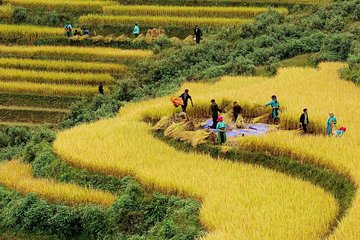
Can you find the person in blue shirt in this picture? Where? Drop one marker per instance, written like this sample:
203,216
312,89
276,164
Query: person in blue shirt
136,31
274,103
330,123
221,130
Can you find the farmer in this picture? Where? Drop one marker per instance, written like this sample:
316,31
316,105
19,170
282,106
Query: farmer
197,34
304,120
68,29
274,103
331,123
236,111
136,31
214,112
185,97
86,31
101,88
77,33
220,129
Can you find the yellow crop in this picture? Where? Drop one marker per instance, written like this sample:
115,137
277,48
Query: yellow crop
18,176
15,75
88,6
71,66
155,21
48,89
151,10
73,53
239,201
6,12
269,2
28,33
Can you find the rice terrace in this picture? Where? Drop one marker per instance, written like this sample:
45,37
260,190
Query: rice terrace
179,119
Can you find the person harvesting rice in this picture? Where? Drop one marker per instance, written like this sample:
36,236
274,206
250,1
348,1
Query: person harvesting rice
221,130
274,103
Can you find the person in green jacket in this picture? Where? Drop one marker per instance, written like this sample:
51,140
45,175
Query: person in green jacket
220,129
68,29
274,103
330,123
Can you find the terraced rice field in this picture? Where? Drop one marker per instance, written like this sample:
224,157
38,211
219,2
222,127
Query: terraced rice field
232,207
47,71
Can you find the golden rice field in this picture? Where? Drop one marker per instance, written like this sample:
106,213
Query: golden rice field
156,21
74,53
65,66
28,32
238,201
15,75
180,11
80,7
48,89
18,176
6,11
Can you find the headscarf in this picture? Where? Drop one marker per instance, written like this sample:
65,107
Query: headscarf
219,119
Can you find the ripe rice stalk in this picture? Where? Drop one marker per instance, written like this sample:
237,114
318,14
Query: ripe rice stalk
48,89
28,33
193,11
75,7
156,21
18,176
15,75
74,53
68,66
6,12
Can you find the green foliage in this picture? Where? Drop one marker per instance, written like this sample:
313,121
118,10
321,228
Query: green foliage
53,18
89,110
12,141
335,47
19,15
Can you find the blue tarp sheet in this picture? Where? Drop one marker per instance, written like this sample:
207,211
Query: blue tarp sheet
252,129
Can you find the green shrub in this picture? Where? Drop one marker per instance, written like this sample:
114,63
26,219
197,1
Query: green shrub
19,136
242,66
4,140
95,221
89,110
19,15
336,47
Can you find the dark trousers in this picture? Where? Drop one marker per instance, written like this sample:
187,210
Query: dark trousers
183,107
235,116
304,127
214,117
222,137
197,39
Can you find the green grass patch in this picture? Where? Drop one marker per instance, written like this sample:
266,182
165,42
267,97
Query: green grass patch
31,116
